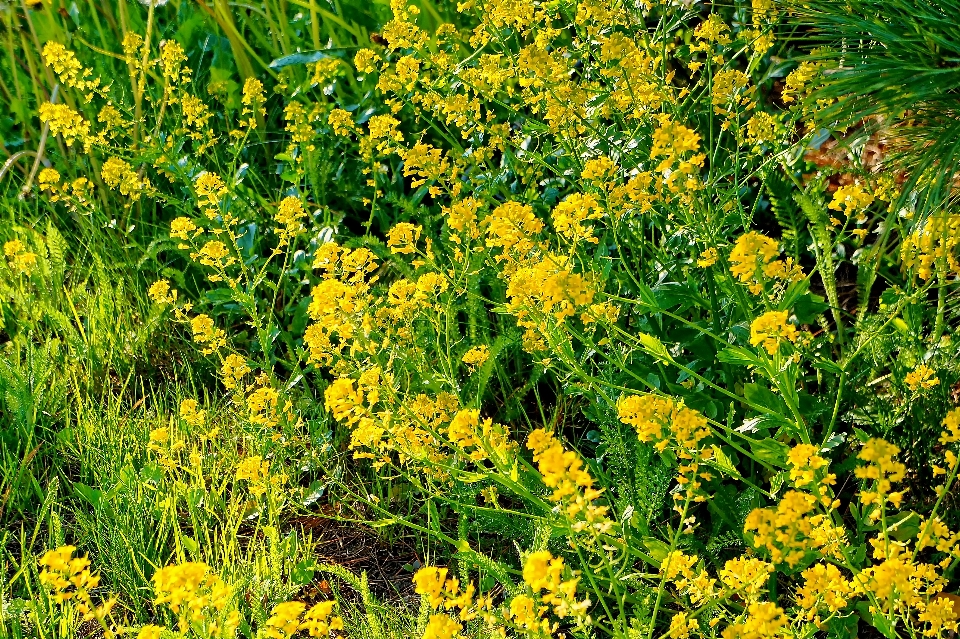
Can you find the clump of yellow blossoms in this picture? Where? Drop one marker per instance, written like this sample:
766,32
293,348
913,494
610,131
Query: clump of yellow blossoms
290,617
445,595
752,262
932,246
18,257
198,597
68,579
883,470
544,573
921,378
476,357
850,199
771,329
562,470
665,422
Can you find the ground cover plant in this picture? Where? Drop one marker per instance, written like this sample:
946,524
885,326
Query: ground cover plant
491,318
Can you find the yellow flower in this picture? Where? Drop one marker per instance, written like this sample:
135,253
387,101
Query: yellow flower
47,179
708,258
284,620
190,413
341,122
752,262
476,356
210,191
182,227
66,122
196,594
161,293
172,58
791,530
673,142
403,237
262,404
289,217
510,225
772,328
747,577
366,60
20,259
234,369
69,70
442,626
150,632
253,100
318,621
570,216
850,199
805,463
951,427
883,469
921,378
681,626
823,587
524,612
763,621
429,581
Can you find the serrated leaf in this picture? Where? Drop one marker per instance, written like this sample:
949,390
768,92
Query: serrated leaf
723,463
654,346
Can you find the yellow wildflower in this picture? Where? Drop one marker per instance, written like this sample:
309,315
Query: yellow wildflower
772,328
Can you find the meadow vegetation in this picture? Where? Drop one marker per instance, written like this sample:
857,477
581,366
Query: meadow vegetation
592,318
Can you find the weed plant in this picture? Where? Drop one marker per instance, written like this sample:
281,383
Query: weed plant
638,319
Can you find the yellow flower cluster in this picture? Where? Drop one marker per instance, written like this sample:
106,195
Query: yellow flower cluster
932,246
792,530
771,329
921,378
69,70
562,470
64,121
850,199
198,597
882,470
288,618
476,357
661,420
68,579
118,174
18,257
544,574
752,262
674,143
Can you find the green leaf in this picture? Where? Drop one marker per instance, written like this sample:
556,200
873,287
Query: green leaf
809,307
738,356
763,397
303,572
770,451
647,297
658,549
306,57
190,544
723,463
654,347
91,495
904,525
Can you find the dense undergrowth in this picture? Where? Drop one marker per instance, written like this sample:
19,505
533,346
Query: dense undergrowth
631,320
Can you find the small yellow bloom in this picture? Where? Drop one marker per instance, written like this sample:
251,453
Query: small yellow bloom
772,328
921,378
